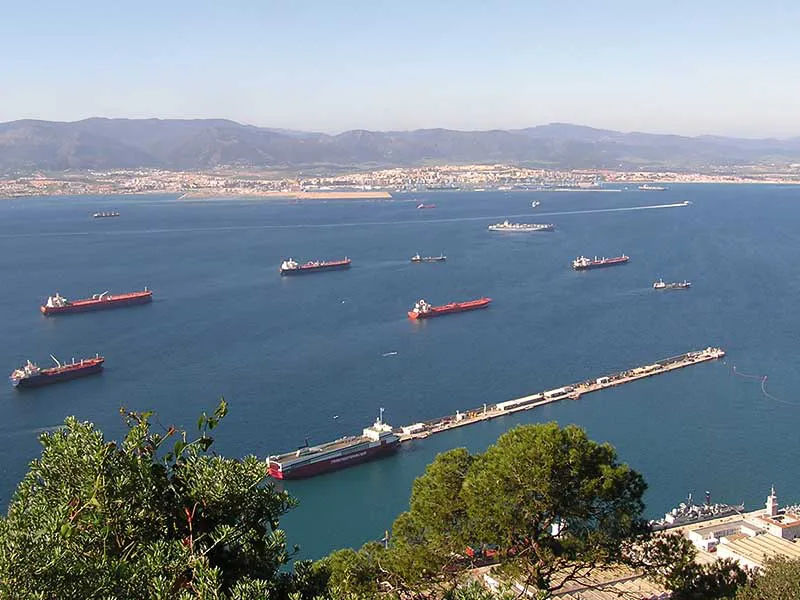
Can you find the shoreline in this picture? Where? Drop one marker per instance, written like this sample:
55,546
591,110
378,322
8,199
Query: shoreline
377,195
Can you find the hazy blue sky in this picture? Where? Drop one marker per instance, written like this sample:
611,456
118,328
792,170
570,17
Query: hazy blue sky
691,67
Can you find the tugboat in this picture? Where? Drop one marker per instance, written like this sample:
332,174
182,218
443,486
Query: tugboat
57,304
307,461
104,215
292,267
421,259
678,285
521,227
423,310
31,375
583,263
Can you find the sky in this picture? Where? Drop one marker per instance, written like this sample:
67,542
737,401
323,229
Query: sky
724,67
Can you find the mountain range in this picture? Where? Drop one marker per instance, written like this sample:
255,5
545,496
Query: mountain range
190,144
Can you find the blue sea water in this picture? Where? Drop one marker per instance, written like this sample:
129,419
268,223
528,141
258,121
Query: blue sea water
291,353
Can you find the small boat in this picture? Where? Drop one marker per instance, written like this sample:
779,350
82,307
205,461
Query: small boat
421,206
652,188
678,285
535,203
104,215
421,259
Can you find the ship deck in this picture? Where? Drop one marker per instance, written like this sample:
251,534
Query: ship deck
110,298
288,458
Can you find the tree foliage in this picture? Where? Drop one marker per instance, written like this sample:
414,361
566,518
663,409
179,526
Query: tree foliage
138,519
669,558
554,503
780,580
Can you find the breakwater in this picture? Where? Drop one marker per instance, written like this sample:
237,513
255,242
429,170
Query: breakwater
574,391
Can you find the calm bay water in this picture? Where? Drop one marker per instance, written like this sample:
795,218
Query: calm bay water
290,353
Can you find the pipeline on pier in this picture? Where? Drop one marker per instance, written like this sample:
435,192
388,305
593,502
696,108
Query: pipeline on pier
490,411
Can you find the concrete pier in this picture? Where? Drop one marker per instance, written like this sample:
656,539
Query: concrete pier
575,391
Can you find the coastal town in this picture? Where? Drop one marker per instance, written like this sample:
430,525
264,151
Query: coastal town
236,182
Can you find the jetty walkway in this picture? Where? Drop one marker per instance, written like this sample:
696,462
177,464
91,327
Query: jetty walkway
572,392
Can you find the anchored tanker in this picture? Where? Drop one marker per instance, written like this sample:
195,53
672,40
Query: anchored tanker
292,267
583,264
307,461
57,305
423,310
521,227
31,375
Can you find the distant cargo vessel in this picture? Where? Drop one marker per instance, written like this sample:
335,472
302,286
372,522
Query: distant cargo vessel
678,285
652,188
688,512
57,304
307,461
422,206
292,267
31,375
423,310
583,263
521,227
420,259
104,215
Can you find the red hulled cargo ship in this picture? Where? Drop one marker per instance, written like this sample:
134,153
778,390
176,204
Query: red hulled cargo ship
582,263
31,375
57,305
292,267
423,310
307,461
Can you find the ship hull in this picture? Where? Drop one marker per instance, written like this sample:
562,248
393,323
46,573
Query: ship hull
599,265
306,270
51,378
335,463
438,311
80,306
519,230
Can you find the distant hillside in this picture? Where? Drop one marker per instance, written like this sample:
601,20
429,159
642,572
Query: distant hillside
204,143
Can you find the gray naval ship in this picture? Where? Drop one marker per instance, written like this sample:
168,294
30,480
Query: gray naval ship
688,512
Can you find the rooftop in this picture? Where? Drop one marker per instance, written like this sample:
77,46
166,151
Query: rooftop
783,520
760,547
